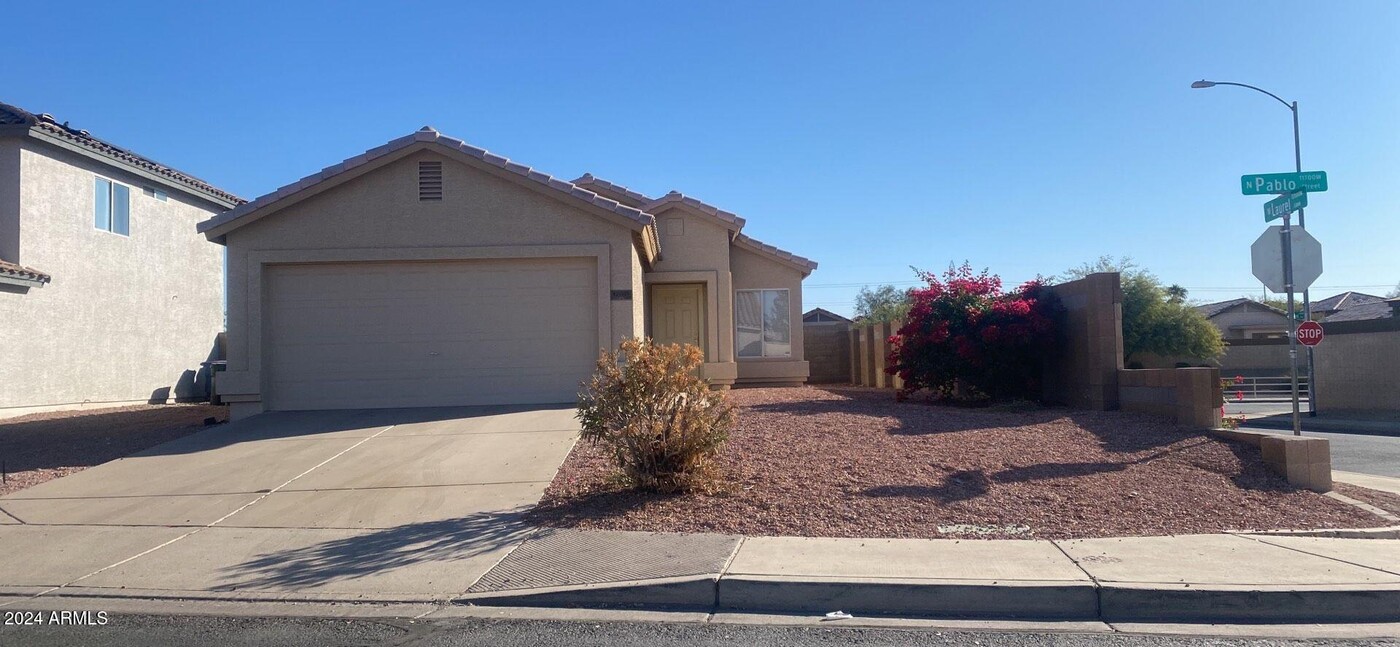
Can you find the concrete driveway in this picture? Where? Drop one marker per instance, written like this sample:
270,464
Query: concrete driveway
407,504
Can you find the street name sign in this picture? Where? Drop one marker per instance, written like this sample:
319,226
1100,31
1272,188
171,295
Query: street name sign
1310,333
1266,183
1284,205
1266,256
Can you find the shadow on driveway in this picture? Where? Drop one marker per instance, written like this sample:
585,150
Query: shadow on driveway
380,551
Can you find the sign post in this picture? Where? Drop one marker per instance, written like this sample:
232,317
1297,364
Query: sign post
1293,189
1287,241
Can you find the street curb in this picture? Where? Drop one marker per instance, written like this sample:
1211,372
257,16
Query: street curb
666,593
1049,600
1224,604
985,600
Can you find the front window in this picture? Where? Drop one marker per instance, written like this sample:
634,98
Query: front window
763,323
112,207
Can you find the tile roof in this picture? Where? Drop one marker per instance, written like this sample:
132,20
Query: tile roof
1378,309
731,220
47,124
1212,309
589,181
15,270
428,135
757,245
1345,300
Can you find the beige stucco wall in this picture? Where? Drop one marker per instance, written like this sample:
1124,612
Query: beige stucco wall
125,319
753,271
695,249
1358,371
1248,315
480,213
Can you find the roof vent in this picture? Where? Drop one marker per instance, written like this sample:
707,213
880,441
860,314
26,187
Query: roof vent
430,181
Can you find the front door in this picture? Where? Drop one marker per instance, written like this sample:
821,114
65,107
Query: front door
678,314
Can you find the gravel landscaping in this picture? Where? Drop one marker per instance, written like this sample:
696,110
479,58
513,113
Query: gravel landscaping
851,462
45,446
1383,500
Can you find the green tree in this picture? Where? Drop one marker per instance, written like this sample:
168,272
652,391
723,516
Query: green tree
1156,318
882,304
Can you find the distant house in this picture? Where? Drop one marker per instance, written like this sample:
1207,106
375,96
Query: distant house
107,294
1351,306
822,315
1246,319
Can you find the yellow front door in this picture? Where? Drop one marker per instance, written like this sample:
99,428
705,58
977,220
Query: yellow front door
678,314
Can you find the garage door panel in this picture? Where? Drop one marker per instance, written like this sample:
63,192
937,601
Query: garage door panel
356,335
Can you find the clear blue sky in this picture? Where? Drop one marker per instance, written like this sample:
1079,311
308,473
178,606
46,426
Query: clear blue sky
1025,137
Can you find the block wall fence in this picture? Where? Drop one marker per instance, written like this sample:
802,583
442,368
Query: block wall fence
1087,371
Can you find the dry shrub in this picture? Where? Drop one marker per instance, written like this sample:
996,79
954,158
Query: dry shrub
660,421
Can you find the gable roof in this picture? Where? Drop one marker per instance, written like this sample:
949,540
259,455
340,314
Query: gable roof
729,220
1212,309
1345,300
217,227
46,127
799,263
599,185
1378,309
822,315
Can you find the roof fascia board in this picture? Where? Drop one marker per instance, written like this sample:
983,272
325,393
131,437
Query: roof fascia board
23,282
751,245
39,134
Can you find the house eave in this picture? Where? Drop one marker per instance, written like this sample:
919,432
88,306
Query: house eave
52,140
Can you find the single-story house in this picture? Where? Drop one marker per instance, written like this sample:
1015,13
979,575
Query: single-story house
1245,318
428,272
108,295
822,315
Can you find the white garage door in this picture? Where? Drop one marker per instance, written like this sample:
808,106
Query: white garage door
366,335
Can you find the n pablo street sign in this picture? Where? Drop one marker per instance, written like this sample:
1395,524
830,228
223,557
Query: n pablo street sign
1265,183
1310,333
1284,205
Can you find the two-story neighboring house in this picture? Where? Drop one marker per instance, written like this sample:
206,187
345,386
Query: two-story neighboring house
108,296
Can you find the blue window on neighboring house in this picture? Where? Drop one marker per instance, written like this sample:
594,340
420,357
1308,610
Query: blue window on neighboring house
112,207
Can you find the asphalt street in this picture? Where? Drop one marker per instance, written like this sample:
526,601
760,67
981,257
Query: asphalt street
144,631
1379,455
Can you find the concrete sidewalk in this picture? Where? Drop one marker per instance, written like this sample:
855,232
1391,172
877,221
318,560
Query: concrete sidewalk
1200,578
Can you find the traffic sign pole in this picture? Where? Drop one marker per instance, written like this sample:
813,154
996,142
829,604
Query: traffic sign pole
1287,240
1307,302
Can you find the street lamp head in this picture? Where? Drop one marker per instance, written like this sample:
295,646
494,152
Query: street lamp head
1203,84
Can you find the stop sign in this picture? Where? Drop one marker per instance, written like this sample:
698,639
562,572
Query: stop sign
1310,333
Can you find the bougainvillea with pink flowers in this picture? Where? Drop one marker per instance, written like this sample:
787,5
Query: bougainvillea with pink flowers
965,338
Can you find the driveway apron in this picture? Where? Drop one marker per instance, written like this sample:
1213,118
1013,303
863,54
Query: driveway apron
407,503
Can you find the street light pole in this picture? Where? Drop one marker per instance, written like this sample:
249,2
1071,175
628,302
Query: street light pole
1302,224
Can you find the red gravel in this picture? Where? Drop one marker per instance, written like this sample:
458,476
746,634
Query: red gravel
851,462
45,446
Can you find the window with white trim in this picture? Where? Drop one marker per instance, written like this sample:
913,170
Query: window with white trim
111,206
762,323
